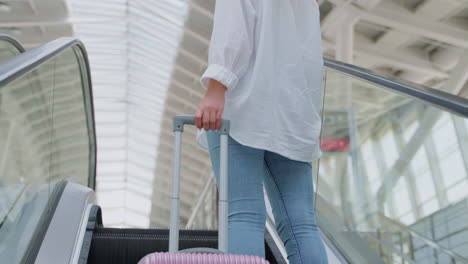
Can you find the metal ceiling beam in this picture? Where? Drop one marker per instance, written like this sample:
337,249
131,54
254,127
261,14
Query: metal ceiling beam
189,73
417,25
458,76
200,9
342,13
344,10
414,73
431,9
190,90
196,57
386,15
46,21
403,60
367,4
439,9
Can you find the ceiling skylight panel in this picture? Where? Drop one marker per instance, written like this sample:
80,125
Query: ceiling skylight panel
159,70
140,173
142,93
138,202
112,135
158,59
137,182
154,17
147,31
98,9
174,11
154,71
117,27
132,47
147,90
148,103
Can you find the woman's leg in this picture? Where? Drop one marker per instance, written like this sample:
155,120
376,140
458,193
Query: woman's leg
290,191
247,216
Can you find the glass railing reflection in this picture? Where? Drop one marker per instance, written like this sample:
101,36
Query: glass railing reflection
403,162
8,48
44,139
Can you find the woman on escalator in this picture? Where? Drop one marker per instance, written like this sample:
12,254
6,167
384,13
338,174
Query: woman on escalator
265,75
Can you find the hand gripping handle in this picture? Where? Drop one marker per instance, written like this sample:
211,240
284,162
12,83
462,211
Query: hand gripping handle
179,122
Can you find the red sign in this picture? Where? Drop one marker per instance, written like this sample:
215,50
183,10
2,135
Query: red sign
334,144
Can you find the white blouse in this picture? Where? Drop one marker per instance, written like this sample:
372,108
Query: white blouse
268,54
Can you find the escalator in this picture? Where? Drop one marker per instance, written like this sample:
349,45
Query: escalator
49,165
47,135
48,168
9,47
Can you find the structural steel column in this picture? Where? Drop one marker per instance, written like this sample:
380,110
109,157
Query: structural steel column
343,184
345,42
378,150
359,173
409,176
406,155
436,172
462,136
344,53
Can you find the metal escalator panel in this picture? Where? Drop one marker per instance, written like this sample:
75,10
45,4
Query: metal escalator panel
394,166
9,47
46,136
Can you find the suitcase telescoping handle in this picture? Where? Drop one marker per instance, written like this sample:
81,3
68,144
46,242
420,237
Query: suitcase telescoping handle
179,122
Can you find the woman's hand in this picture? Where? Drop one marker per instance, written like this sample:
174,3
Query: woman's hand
210,110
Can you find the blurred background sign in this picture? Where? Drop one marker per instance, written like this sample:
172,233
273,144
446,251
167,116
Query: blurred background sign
334,144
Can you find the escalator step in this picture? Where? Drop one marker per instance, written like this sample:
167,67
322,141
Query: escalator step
123,246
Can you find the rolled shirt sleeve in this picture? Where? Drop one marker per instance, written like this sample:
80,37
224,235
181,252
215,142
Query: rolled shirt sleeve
232,42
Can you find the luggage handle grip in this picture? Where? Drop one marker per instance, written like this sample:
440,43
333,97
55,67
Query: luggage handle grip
181,120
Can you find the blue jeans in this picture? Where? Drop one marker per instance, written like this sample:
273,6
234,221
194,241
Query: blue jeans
290,190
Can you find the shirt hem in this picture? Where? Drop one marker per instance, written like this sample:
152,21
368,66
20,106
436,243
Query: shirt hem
315,155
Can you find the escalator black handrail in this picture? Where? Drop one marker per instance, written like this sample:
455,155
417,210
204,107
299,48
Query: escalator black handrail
15,43
438,98
28,61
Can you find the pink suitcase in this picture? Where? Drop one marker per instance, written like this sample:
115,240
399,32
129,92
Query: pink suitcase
199,255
